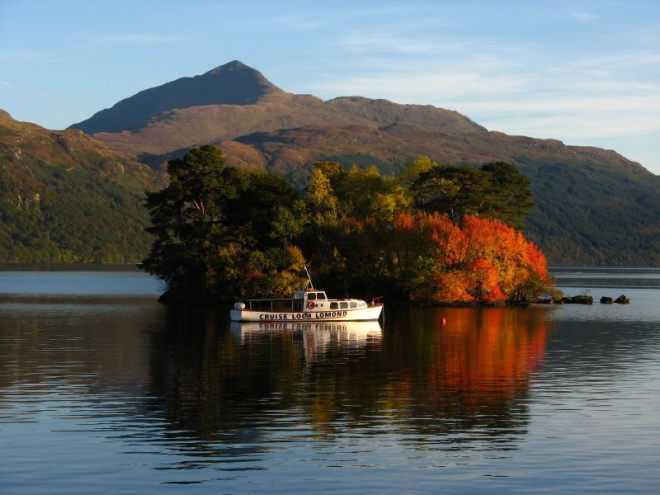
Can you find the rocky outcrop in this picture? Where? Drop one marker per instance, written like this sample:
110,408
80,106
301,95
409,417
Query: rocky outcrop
582,299
622,299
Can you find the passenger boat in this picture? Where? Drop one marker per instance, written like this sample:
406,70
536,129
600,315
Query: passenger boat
307,305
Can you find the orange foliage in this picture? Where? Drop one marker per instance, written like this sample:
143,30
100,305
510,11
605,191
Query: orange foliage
485,260
483,357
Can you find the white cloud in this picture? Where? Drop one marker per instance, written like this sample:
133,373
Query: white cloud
425,87
20,58
583,16
617,61
141,38
361,42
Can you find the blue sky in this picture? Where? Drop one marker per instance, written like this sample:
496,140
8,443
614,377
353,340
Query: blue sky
584,72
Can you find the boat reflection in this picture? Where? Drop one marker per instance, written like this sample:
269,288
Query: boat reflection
316,337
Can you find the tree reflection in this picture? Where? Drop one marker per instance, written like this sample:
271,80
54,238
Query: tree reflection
241,383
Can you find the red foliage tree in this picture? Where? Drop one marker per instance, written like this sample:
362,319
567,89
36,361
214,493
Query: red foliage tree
434,260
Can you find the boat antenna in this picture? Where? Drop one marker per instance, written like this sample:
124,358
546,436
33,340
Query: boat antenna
309,284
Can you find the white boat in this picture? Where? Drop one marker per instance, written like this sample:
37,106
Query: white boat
308,305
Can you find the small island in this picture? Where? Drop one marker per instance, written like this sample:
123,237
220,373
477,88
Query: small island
430,234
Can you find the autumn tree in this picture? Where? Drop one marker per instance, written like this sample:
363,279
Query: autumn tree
521,267
321,196
365,193
411,170
430,259
222,232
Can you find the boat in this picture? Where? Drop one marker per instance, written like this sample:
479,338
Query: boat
307,305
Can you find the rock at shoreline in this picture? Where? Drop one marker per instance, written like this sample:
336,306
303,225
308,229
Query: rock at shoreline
622,299
577,300
606,300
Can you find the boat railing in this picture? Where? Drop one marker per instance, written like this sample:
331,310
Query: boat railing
374,301
284,304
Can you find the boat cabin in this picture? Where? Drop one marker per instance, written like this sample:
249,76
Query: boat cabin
309,299
306,304
304,300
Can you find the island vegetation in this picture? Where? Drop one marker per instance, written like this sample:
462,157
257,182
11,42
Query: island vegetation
431,234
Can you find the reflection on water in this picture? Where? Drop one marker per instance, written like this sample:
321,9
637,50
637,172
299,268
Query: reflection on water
71,281
615,278
497,399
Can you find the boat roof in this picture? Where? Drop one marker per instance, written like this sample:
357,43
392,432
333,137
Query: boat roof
271,299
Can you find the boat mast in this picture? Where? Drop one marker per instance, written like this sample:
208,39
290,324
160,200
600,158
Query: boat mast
309,284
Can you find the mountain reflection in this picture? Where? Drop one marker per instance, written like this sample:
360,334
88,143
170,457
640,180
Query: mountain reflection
418,377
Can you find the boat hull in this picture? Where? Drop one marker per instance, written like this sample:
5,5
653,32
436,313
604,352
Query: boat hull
358,314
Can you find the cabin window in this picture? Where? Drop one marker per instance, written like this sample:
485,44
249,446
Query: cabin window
343,305
334,305
311,296
353,305
321,295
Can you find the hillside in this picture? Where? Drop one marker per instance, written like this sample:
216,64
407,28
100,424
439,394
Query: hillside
594,207
65,197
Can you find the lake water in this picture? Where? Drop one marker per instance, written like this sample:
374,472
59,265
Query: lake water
103,390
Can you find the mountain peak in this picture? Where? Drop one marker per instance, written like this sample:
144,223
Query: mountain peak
231,66
233,83
248,78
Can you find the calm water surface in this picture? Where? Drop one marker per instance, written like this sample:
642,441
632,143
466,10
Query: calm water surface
102,389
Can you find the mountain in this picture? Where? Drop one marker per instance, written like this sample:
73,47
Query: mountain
594,207
65,197
230,84
234,100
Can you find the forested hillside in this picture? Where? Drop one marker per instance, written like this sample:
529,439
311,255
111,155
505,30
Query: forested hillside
67,198
594,207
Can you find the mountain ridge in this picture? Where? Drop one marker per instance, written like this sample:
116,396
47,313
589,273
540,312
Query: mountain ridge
594,206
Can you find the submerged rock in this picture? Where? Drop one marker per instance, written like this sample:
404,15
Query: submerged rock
606,300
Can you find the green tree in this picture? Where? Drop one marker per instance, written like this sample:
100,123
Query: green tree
187,218
496,191
263,199
223,232
451,189
412,170
509,196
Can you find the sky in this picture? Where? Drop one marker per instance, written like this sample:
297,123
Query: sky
584,72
